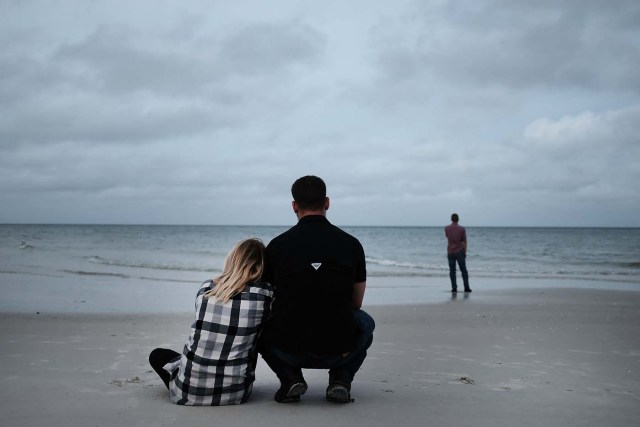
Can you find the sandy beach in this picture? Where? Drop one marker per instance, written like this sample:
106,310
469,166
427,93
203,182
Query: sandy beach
546,357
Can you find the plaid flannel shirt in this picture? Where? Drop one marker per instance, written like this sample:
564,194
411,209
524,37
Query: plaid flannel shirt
218,362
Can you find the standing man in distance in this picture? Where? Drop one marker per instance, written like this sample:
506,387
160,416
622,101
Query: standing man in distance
319,275
457,252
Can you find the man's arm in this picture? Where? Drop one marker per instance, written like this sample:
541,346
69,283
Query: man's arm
358,294
464,240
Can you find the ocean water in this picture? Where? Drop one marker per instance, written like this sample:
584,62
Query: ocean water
48,257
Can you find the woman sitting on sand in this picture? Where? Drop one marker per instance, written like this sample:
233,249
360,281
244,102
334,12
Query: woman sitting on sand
217,365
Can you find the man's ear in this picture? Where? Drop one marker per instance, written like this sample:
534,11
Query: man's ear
327,202
294,205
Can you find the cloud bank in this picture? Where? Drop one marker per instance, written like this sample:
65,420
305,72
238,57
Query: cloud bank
511,113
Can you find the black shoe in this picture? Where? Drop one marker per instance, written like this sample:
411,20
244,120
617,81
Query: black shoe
290,391
339,387
338,393
453,291
467,290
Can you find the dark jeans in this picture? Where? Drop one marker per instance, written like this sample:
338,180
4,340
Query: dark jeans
460,258
288,366
160,357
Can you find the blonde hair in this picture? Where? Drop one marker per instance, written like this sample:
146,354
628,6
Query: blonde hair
244,264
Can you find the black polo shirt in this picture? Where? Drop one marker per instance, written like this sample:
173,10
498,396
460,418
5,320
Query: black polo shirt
313,267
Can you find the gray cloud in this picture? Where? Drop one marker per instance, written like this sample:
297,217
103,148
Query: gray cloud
119,86
262,48
517,45
512,113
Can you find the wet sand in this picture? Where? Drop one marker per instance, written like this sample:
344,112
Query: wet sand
546,357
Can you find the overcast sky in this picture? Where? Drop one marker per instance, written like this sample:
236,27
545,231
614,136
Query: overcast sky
509,112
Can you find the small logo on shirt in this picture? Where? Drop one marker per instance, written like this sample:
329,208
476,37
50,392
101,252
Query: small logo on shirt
316,265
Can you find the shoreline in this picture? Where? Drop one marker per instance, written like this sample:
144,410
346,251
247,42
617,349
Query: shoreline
23,294
553,357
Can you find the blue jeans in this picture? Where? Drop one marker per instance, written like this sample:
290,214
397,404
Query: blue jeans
460,258
287,366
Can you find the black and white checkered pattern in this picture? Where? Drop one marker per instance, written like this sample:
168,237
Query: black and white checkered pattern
217,366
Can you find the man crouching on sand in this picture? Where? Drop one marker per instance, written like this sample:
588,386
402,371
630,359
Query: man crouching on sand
319,275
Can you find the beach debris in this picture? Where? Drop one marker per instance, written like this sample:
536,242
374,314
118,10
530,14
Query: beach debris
466,380
132,380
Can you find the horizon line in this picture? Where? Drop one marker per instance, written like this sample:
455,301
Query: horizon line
291,225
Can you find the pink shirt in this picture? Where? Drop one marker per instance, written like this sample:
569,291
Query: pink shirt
456,236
